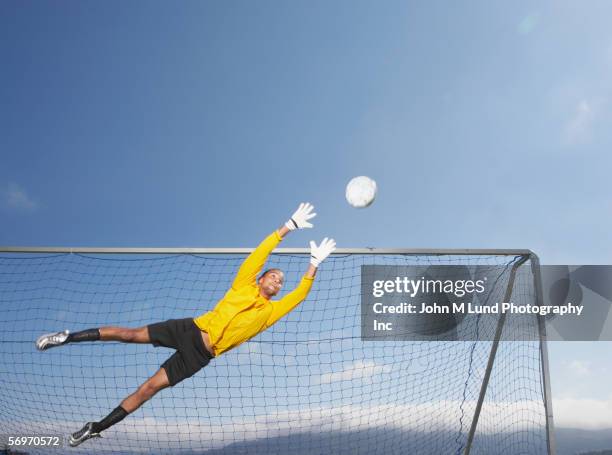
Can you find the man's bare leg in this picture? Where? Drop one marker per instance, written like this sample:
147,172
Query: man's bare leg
144,393
124,334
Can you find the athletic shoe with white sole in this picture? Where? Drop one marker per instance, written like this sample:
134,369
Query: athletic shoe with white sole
83,435
51,340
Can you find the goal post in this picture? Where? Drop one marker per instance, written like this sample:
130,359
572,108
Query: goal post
546,387
309,384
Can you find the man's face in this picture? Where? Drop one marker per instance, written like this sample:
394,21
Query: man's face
271,283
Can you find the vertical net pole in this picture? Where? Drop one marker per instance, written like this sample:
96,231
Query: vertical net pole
550,434
491,361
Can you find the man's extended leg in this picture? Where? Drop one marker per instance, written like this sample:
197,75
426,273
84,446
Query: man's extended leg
122,334
149,388
125,335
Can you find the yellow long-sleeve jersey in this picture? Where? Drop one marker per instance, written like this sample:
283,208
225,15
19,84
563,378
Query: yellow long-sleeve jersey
243,313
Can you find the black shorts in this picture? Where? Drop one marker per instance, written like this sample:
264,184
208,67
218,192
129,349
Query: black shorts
183,335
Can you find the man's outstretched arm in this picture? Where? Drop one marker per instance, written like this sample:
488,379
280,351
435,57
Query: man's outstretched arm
295,297
253,264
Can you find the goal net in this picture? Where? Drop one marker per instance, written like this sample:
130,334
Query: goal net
308,385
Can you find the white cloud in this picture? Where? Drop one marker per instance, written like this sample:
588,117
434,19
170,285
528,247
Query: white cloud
357,370
587,414
579,368
16,197
579,128
217,432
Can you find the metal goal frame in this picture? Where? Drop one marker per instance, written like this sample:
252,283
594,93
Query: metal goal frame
525,256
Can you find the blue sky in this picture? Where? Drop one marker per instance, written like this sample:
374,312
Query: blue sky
204,124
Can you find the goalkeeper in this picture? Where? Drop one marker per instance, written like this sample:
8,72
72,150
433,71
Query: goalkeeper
244,311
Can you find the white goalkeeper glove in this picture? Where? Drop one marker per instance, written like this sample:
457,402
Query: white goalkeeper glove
299,220
319,253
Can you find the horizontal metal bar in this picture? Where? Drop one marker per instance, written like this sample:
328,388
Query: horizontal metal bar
339,251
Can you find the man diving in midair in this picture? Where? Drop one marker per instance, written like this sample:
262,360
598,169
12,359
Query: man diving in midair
246,310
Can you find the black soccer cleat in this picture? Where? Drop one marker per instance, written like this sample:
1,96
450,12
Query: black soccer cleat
82,435
51,340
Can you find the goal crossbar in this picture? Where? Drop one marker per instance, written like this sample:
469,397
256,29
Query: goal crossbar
339,251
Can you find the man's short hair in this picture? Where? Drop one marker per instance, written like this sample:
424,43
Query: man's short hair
268,271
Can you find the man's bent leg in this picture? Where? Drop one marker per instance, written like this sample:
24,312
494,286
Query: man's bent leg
149,388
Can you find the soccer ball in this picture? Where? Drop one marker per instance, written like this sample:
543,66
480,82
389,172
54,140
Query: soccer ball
361,191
